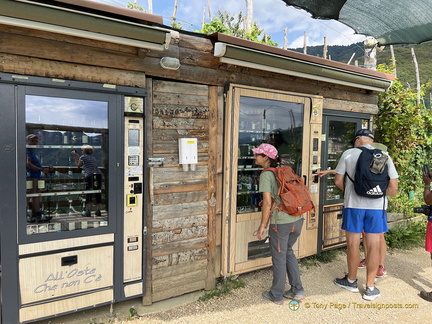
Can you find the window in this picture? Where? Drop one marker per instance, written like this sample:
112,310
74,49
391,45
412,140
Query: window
66,164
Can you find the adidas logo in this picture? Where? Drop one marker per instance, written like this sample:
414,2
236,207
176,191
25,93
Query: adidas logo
375,191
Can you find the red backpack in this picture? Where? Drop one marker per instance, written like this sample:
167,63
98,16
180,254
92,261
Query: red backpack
293,193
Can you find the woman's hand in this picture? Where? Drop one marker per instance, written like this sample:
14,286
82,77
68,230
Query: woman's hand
260,231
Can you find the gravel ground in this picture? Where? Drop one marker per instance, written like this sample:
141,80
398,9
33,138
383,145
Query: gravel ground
409,271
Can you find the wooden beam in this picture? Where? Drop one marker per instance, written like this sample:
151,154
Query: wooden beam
212,185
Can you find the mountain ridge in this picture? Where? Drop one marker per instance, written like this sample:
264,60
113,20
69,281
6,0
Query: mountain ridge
404,63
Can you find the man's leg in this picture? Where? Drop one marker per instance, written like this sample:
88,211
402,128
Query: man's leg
383,250
373,257
353,253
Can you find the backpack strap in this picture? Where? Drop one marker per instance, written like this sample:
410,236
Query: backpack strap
274,204
362,149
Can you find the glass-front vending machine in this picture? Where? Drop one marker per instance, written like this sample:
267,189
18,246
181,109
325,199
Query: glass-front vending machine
72,215
338,132
290,122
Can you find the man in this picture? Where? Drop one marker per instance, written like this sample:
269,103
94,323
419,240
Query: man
34,170
362,214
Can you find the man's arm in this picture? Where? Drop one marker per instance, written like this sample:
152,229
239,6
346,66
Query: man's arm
392,188
339,181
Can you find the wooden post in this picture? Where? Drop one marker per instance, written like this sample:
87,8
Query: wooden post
212,187
203,18
174,11
393,59
209,10
249,16
147,299
417,74
352,56
325,48
285,44
370,61
305,43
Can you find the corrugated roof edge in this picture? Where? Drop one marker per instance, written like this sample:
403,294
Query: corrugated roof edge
127,14
299,56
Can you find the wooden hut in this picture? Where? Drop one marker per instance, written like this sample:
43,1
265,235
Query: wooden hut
74,73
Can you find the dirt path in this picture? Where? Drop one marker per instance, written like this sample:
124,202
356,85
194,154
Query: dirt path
408,273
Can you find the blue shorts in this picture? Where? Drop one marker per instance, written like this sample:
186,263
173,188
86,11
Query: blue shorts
372,221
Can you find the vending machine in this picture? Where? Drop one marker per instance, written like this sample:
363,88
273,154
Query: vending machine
72,229
292,123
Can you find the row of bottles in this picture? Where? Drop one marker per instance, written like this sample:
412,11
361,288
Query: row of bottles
248,195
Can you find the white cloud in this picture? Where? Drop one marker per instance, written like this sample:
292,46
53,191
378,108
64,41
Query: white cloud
271,15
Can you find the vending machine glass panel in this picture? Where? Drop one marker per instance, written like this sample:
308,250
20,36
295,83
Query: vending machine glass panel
66,164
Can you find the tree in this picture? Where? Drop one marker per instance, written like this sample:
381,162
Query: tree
234,26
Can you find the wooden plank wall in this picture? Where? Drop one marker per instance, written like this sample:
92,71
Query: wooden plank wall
180,200
184,207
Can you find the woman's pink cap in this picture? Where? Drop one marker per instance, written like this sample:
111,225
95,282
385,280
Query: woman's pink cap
266,149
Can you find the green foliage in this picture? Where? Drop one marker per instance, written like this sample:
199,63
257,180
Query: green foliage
402,204
323,257
134,6
229,25
132,313
175,24
406,237
224,286
406,128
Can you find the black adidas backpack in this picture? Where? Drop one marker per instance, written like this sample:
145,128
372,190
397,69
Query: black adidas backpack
371,177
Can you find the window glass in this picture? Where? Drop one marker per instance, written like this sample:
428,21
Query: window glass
66,164
340,134
276,122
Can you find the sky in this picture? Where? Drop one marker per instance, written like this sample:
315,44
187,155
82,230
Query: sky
273,16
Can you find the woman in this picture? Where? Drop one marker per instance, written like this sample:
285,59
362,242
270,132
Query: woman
284,231
93,177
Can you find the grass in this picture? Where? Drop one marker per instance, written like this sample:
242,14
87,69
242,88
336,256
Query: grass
224,286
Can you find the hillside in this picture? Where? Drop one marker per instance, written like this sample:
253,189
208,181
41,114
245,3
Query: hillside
404,63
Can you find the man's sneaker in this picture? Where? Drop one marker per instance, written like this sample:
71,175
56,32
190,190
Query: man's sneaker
344,283
294,296
266,295
362,264
98,213
426,295
371,294
381,272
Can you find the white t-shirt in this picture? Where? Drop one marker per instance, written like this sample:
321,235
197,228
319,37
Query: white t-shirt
347,163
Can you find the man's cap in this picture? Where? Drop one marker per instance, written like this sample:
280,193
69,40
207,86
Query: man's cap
363,132
266,149
30,136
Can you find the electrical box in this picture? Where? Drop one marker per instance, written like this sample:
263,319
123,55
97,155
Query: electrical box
188,153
